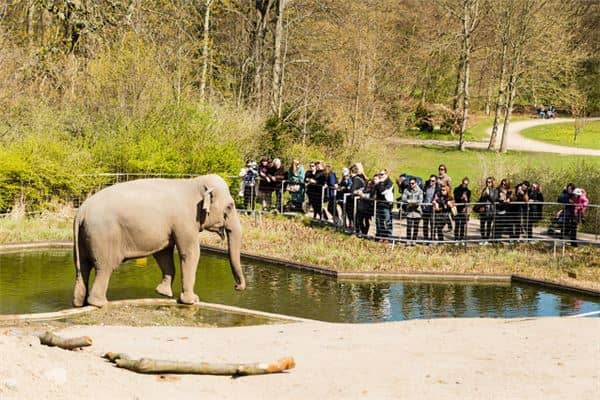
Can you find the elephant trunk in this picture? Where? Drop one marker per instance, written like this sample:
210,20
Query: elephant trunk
234,241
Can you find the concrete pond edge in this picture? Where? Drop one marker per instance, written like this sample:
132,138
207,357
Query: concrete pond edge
342,276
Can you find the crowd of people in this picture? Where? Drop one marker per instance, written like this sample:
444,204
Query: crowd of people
433,206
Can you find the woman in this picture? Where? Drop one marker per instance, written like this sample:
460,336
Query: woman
536,198
265,183
462,195
442,203
295,178
412,197
331,192
359,183
313,191
503,223
486,208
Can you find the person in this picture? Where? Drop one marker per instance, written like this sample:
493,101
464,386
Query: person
365,209
569,220
265,184
429,192
445,180
321,182
295,186
442,203
359,184
343,196
535,208
581,204
384,197
277,174
521,209
413,197
403,182
313,191
574,213
486,207
462,197
331,191
503,223
248,185
443,177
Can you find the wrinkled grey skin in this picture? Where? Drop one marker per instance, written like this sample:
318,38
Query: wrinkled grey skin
152,217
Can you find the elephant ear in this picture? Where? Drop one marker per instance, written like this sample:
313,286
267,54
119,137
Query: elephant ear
207,201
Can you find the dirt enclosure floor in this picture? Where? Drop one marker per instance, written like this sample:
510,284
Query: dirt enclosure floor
547,358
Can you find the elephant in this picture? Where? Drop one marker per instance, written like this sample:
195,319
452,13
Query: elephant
153,217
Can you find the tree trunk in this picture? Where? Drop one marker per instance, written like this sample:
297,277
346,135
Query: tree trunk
263,7
466,73
512,91
276,79
152,366
205,39
501,84
51,339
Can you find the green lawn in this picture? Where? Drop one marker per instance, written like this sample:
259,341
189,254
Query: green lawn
476,164
564,134
475,132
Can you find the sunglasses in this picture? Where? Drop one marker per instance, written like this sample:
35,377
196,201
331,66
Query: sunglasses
413,183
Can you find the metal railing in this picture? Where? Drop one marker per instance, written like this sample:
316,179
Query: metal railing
481,223
473,222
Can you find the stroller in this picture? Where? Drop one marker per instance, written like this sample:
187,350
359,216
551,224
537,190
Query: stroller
557,223
296,203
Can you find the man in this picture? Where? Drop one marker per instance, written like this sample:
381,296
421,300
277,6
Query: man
569,228
462,197
384,196
412,197
431,189
277,174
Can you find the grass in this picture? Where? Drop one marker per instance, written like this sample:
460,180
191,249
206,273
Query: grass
476,164
475,132
295,240
564,135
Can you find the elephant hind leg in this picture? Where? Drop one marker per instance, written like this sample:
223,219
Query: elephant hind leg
104,269
81,282
165,261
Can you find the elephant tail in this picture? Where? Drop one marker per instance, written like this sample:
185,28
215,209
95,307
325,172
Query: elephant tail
80,290
76,225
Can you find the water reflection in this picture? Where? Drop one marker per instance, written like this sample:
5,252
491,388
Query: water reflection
42,281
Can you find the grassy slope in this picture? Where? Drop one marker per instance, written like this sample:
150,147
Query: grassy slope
476,164
294,240
563,134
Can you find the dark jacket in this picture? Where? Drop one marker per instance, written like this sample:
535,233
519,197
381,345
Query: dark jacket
535,208
382,191
489,196
462,195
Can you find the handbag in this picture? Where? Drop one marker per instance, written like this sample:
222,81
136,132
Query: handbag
453,211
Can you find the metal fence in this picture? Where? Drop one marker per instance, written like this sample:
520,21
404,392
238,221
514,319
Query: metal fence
481,223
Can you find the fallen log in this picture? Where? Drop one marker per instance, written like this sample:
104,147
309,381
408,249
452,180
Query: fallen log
51,339
154,366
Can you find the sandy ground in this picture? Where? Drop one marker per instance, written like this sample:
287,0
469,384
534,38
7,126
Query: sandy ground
548,358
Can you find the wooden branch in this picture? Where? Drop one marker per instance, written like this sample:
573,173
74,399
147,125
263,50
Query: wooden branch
153,366
50,339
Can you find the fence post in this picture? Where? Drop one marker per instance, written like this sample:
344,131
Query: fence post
375,216
323,210
281,197
355,226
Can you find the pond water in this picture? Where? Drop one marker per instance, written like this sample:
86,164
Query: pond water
42,281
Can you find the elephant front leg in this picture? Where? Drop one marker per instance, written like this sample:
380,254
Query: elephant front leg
189,255
164,258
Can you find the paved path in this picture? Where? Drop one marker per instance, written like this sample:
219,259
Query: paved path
515,140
